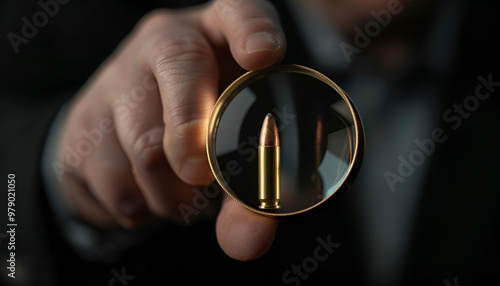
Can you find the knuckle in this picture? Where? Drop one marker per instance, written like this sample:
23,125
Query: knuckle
229,3
147,159
147,152
238,10
172,54
227,7
154,18
221,7
181,117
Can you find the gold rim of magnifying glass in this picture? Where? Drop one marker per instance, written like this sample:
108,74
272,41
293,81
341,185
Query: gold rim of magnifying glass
245,80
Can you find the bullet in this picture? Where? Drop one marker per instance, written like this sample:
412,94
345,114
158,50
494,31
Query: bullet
269,164
318,159
317,149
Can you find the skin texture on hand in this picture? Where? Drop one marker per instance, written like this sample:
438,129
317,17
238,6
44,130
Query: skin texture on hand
157,90
251,235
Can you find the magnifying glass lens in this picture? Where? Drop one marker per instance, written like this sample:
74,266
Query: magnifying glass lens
284,140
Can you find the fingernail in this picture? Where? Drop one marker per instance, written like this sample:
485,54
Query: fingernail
192,168
261,41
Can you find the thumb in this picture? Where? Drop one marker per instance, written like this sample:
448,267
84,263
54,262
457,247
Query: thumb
251,28
242,234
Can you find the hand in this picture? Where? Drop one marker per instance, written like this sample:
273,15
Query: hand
138,126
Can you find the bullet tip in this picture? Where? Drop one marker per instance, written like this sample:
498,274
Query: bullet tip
269,132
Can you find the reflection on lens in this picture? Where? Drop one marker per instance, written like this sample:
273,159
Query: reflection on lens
320,135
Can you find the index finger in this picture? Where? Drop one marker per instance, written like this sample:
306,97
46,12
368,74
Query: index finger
251,28
187,73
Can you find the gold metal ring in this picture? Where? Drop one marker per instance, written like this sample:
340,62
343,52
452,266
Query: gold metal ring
248,78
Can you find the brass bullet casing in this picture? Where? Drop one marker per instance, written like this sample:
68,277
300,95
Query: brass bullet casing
269,179
269,164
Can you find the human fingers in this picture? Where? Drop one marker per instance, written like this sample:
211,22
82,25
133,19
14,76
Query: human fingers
137,114
242,234
99,181
110,182
251,28
188,74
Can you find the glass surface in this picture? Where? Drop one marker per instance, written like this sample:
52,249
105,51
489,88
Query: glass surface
317,133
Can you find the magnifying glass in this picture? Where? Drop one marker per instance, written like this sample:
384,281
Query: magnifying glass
285,141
